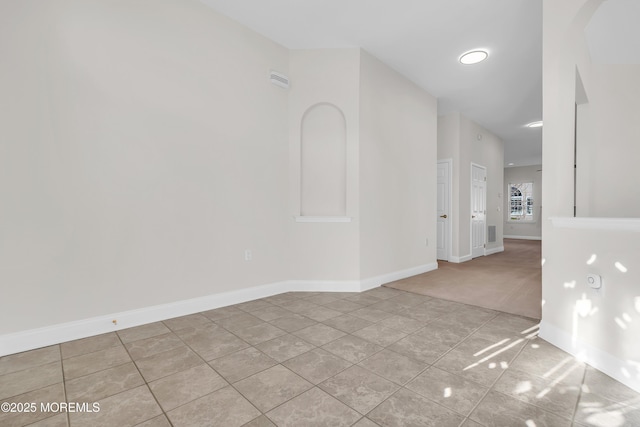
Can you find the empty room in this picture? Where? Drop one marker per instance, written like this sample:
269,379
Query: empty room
319,213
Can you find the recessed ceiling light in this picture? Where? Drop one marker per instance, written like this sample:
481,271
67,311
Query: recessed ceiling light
535,124
473,57
510,164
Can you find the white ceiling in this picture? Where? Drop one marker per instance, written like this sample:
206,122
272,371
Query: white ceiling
422,39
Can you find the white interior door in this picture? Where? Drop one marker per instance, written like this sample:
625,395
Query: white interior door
478,209
443,214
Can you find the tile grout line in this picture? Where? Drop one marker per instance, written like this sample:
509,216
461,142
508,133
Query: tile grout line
278,364
395,312
99,370
490,388
577,405
245,312
539,406
297,395
143,379
462,340
428,365
373,354
313,385
362,418
260,410
411,391
218,373
44,386
315,347
64,385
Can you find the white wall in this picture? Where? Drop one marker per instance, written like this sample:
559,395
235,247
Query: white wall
523,174
586,161
458,140
324,251
449,148
488,151
142,151
606,333
607,143
568,245
398,146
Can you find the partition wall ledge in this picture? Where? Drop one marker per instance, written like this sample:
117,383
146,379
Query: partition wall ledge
586,223
322,218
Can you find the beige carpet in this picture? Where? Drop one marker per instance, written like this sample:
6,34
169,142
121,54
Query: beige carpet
510,281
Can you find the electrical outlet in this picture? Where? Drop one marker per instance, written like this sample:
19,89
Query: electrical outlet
594,281
248,256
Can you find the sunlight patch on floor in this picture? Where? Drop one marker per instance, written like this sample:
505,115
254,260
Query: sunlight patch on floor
612,415
447,392
533,328
494,354
523,387
557,367
492,346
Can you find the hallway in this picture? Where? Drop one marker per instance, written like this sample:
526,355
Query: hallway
509,281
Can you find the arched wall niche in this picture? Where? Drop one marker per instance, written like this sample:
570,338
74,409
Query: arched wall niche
323,161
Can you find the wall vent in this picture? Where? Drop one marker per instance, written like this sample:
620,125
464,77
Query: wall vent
492,234
279,79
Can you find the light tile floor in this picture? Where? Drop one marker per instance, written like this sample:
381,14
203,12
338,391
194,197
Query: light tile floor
380,358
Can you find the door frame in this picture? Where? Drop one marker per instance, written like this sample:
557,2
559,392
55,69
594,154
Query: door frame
449,228
471,209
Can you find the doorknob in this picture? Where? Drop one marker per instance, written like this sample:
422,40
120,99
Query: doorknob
443,216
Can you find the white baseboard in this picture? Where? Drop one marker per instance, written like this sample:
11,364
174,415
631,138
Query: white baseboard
613,224
55,334
374,282
321,286
357,285
460,259
601,360
523,237
470,257
494,250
